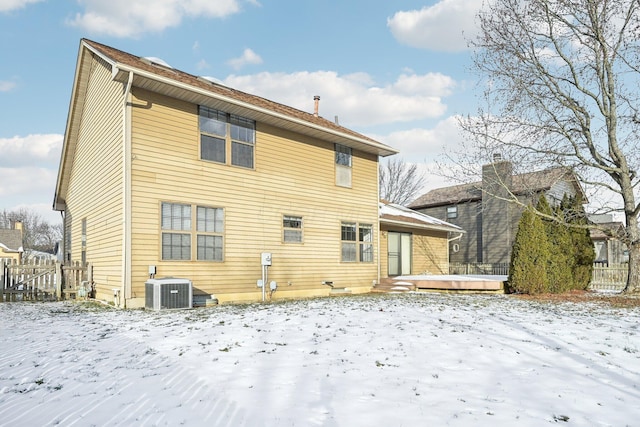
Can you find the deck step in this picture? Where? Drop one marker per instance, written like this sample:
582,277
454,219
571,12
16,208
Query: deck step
340,291
442,283
391,285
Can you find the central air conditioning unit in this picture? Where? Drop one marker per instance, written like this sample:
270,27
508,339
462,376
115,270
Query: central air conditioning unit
168,293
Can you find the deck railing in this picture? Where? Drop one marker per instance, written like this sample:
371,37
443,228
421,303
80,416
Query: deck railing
479,268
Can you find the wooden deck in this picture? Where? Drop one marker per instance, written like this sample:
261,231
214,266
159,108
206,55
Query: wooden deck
446,283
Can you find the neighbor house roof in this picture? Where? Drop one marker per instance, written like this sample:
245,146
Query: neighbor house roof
391,213
155,75
606,230
525,183
11,240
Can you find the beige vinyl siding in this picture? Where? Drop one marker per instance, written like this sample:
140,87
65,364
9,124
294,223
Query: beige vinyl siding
293,175
430,251
95,190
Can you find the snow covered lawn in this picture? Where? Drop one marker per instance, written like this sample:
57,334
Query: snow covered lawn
375,360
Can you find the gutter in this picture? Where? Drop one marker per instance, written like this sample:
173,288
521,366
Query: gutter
459,236
423,227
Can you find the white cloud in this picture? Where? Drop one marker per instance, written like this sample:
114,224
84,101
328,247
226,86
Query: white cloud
31,150
6,86
9,5
425,148
249,57
354,98
32,183
202,65
425,145
124,18
435,84
441,27
28,173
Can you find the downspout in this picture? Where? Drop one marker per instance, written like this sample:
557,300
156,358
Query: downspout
378,230
126,195
455,238
63,243
449,243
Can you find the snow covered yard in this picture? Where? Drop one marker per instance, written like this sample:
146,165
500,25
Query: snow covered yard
375,360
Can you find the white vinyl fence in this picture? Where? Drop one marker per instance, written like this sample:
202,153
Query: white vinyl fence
604,278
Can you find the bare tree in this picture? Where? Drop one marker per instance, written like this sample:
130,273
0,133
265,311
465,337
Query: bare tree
562,81
400,182
37,233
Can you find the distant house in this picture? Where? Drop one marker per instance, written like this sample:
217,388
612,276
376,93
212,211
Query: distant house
168,174
482,208
609,249
415,243
11,242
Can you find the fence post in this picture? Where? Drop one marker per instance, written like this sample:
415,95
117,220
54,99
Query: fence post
58,279
2,280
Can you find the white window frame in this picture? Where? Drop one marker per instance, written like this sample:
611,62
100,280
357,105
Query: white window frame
344,165
292,225
356,244
175,238
209,229
365,243
232,131
452,212
184,224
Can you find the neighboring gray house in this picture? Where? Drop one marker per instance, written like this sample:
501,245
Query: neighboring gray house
11,242
482,209
609,250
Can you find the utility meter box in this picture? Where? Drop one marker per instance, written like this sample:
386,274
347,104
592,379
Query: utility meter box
266,258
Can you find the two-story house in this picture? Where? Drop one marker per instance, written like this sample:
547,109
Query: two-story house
168,174
486,209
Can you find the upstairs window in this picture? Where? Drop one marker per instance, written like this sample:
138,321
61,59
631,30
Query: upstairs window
222,133
343,155
343,165
213,132
452,212
243,139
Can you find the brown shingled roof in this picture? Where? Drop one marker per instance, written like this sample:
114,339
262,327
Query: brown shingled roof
11,239
530,182
140,63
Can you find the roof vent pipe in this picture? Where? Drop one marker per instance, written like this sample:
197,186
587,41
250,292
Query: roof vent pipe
316,102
